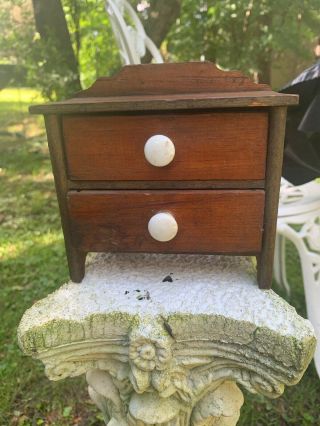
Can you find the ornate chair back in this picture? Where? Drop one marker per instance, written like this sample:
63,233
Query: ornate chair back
130,35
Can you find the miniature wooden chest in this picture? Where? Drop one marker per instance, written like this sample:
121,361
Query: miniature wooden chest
169,158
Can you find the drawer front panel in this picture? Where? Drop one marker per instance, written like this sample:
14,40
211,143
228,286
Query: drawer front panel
219,221
208,146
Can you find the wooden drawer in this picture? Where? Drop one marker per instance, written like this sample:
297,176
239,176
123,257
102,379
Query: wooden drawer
224,145
219,221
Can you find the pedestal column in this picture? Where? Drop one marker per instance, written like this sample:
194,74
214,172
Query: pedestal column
166,339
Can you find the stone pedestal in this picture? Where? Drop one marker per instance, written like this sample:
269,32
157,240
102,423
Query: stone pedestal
166,339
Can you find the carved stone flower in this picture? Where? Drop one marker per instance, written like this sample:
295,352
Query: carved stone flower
148,355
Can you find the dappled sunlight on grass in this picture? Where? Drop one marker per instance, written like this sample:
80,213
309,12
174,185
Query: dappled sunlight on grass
42,177
15,122
19,95
33,264
12,249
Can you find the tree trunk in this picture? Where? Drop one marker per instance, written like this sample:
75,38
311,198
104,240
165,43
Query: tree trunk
264,64
161,16
265,56
52,27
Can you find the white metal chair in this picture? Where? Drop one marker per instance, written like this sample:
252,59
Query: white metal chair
299,222
131,37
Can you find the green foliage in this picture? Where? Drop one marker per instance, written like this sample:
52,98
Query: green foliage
244,34
53,78
250,35
22,45
45,69
93,40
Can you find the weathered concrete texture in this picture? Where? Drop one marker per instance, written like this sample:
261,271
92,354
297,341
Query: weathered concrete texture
169,331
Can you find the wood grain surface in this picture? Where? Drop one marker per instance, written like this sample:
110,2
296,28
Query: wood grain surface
157,184
171,78
220,221
166,102
274,167
76,258
169,86
209,146
222,186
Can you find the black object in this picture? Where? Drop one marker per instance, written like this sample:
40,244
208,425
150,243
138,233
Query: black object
168,279
301,161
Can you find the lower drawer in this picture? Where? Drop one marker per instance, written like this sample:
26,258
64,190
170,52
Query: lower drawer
208,221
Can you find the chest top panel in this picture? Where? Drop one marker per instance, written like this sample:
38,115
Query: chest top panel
183,86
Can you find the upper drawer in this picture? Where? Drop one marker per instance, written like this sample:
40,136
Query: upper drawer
208,146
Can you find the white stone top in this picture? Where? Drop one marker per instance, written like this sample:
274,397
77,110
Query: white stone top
193,309
163,284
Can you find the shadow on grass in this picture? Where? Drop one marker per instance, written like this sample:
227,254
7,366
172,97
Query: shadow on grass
27,397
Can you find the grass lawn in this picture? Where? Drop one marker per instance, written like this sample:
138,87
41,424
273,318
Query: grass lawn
33,263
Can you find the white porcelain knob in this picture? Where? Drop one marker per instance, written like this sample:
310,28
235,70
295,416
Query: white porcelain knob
163,227
159,150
